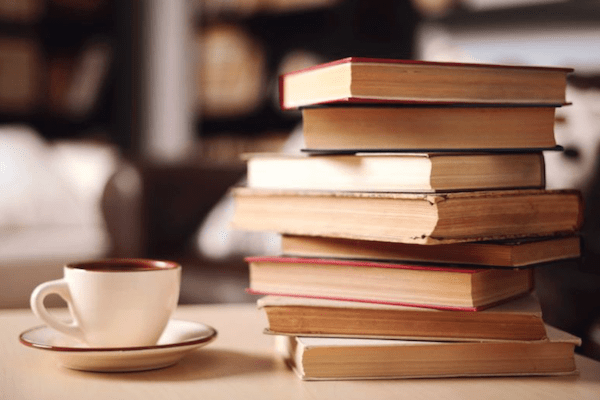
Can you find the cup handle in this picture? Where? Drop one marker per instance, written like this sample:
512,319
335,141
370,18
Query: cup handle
60,288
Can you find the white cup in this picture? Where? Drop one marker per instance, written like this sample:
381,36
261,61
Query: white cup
114,302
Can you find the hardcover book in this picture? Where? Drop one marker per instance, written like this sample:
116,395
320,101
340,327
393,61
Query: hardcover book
368,80
409,218
342,358
519,319
419,172
427,129
504,253
429,286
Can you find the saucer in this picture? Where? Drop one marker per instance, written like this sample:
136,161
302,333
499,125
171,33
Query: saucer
178,339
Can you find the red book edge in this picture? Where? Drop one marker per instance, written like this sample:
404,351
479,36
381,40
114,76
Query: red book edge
361,263
430,306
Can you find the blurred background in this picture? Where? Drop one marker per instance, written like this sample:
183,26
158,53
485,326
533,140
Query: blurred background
122,123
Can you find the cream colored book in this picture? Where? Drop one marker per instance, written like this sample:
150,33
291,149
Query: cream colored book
317,358
520,319
417,172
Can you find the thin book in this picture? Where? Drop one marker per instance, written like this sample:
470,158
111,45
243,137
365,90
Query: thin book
502,253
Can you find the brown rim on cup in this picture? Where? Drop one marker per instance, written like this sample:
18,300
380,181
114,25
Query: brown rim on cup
124,265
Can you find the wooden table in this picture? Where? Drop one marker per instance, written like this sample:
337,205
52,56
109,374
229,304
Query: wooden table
241,364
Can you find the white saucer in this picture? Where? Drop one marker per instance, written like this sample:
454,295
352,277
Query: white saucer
178,339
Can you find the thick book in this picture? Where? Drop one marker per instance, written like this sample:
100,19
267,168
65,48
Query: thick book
428,286
314,358
519,319
418,129
368,80
409,218
503,253
419,172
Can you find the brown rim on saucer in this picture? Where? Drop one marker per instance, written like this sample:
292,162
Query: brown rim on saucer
124,265
212,334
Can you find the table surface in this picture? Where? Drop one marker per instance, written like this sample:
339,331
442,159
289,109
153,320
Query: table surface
241,364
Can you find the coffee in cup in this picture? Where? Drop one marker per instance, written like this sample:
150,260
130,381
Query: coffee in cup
114,302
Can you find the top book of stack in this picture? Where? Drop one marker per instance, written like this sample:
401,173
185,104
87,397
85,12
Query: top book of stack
366,80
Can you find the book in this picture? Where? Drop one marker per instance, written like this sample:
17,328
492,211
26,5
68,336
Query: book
505,253
314,358
409,218
520,319
419,172
427,128
370,80
430,286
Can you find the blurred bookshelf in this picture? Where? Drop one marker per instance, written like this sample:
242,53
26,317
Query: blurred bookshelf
56,58
75,69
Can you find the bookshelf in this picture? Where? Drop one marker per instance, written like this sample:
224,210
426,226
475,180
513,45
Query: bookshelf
56,59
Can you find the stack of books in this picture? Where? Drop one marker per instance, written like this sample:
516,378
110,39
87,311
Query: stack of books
413,221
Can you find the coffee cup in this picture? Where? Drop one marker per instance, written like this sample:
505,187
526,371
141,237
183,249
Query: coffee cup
113,302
